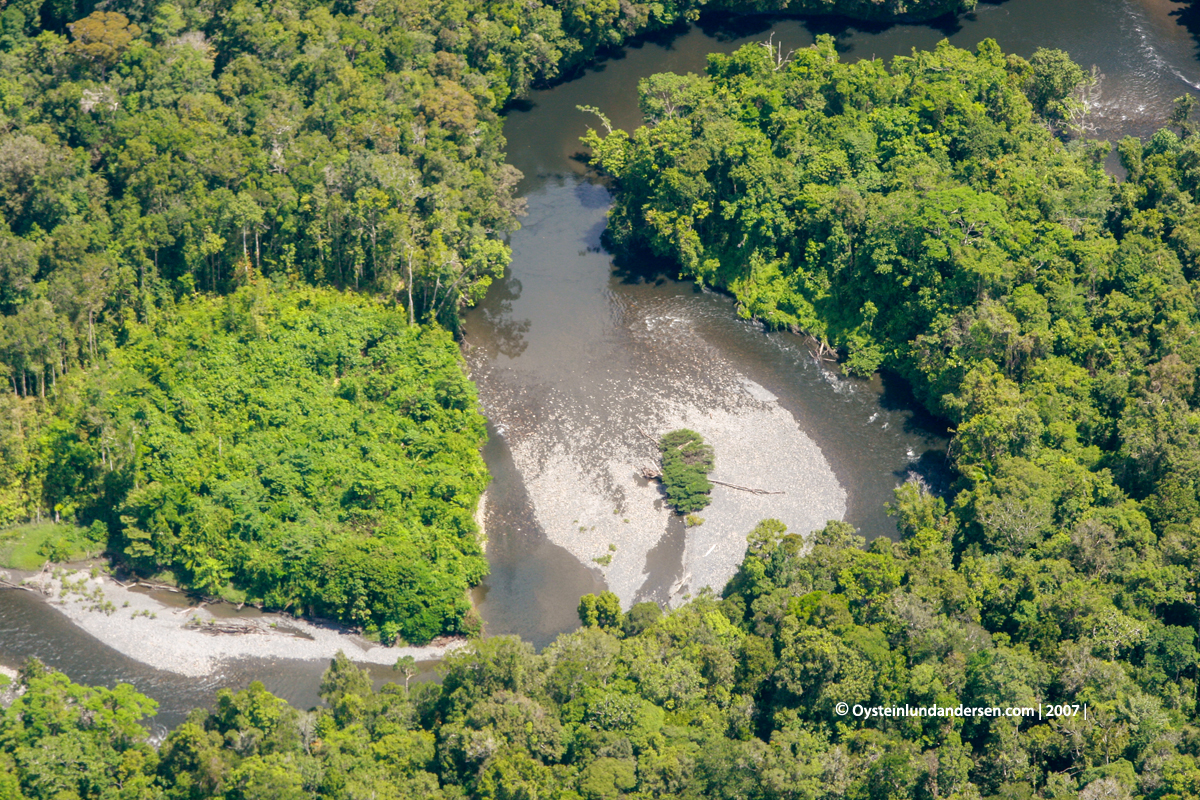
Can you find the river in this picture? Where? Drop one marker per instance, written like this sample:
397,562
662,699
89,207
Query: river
572,354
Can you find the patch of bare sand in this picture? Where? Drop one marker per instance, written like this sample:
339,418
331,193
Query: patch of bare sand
758,443
183,641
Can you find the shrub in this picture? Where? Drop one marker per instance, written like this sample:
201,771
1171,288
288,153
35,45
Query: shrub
57,549
603,610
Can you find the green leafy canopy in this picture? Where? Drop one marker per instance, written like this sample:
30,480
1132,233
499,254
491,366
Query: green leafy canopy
686,462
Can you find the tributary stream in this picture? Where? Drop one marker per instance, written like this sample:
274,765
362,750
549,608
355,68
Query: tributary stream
576,357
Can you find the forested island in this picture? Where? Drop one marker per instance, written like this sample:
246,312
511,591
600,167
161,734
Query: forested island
235,247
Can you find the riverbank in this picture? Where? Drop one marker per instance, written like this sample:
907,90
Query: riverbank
194,640
869,11
481,522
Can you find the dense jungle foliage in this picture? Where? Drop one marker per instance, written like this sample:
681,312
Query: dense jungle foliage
686,462
154,151
173,175
150,150
732,698
302,448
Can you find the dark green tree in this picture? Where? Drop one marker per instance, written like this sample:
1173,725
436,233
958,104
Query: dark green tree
686,462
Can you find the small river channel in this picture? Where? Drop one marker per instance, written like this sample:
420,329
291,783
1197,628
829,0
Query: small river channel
573,354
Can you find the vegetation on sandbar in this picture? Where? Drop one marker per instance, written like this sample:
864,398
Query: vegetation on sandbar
686,462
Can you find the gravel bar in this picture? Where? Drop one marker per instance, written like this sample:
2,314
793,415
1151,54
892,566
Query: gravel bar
186,641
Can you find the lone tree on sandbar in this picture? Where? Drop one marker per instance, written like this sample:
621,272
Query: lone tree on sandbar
686,462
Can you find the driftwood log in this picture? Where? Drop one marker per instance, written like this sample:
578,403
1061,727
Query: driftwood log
221,627
158,586
742,488
11,585
655,474
822,351
40,582
191,609
651,474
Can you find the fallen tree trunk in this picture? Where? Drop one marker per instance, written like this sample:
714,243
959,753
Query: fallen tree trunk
652,474
743,488
11,585
159,586
225,628
191,609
